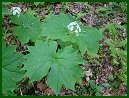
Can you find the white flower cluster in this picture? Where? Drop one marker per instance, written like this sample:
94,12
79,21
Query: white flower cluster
16,11
74,28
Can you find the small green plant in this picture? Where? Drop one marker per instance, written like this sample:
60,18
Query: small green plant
58,49
38,3
118,51
60,43
94,89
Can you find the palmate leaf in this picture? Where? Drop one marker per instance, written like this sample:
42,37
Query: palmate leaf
11,74
29,27
55,27
61,67
88,40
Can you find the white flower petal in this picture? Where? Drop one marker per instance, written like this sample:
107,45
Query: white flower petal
87,78
16,11
74,28
77,34
88,73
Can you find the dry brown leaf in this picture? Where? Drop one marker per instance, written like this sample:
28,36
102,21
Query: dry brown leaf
42,87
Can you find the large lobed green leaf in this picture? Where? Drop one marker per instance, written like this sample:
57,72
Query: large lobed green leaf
61,67
55,27
88,40
29,27
11,73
